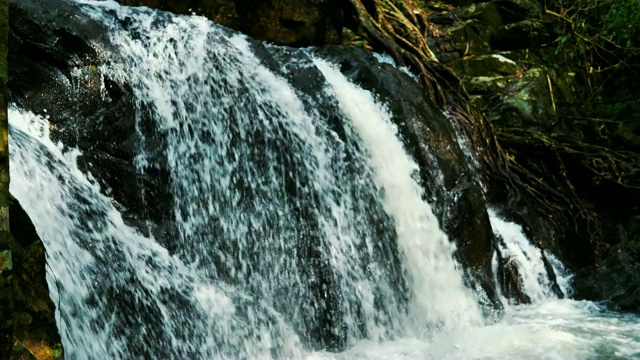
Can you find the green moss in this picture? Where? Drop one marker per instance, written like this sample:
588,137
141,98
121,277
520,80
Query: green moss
3,69
56,351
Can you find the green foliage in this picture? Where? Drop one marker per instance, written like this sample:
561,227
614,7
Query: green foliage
621,24
56,351
606,32
18,347
5,260
602,39
22,318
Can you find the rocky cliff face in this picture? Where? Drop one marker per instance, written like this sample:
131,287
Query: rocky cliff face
505,52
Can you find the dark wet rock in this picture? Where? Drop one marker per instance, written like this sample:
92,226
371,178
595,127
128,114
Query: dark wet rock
617,279
510,281
486,85
51,51
485,65
222,12
523,102
466,38
512,11
441,18
35,330
297,23
520,36
484,12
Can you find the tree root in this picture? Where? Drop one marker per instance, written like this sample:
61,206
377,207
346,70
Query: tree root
546,183
400,29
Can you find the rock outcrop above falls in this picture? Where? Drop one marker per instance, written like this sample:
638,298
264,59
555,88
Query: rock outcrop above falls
284,22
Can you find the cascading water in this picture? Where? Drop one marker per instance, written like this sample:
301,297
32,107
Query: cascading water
267,174
299,225
122,294
265,204
517,252
439,299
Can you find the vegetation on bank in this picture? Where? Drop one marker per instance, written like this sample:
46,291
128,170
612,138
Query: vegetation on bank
603,38
579,168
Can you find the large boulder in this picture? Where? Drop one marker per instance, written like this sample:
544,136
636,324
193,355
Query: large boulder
485,65
50,52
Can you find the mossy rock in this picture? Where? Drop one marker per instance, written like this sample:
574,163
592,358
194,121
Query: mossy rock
484,85
485,65
467,38
617,279
486,12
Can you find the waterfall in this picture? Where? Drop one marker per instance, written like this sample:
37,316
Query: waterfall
426,249
298,218
518,254
121,293
297,226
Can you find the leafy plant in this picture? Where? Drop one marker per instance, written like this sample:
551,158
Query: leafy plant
56,351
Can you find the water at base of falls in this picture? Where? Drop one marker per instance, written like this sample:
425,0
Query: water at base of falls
44,178
312,232
554,330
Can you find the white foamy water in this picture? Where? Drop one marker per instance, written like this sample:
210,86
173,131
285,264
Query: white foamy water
441,299
516,249
291,228
123,295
